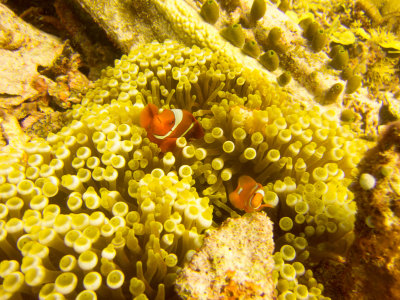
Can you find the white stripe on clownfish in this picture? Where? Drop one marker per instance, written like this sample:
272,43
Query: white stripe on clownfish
255,187
187,130
178,114
240,190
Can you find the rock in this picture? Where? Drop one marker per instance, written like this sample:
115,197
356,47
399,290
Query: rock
234,261
375,255
23,49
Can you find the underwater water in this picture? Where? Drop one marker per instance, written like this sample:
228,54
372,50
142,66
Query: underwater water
220,150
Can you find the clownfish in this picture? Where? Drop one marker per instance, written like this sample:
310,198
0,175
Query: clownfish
248,195
166,127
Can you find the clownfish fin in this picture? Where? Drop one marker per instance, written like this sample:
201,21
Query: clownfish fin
264,206
168,144
147,115
198,131
236,200
259,208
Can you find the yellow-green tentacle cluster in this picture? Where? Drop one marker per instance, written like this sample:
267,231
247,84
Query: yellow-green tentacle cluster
305,162
82,217
95,210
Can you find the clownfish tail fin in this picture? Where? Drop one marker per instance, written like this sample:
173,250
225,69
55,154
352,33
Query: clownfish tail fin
265,205
147,115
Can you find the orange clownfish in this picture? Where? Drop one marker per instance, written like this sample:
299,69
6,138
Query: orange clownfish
248,195
166,127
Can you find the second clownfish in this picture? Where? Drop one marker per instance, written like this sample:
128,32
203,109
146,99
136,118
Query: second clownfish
166,127
248,195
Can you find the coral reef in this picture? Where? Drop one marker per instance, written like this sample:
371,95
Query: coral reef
181,20
147,212
375,256
371,35
235,262
39,75
151,209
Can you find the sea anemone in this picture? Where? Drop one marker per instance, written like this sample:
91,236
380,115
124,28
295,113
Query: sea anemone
96,209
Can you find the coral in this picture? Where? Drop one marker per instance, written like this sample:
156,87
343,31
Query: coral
39,74
96,54
19,39
343,38
380,74
14,137
370,10
235,262
385,39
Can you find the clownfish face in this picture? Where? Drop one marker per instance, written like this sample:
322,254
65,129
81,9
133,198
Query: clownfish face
155,122
163,122
256,199
248,195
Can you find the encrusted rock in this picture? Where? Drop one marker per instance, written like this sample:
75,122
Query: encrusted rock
23,49
234,262
375,255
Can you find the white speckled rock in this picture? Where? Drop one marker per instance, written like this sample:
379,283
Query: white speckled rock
234,261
